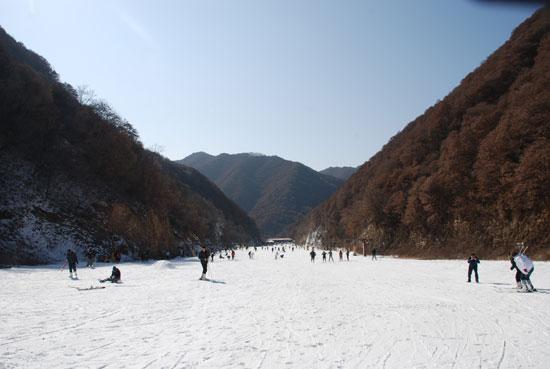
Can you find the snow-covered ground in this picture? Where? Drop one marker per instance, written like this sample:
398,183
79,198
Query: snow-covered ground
267,313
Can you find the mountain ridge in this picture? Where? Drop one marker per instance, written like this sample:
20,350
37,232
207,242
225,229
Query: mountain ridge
272,190
471,174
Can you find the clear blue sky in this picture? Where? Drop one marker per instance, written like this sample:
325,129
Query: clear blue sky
323,82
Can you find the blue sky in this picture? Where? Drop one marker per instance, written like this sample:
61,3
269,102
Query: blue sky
326,83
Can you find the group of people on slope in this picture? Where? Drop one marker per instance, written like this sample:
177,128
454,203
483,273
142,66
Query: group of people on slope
521,263
324,254
72,261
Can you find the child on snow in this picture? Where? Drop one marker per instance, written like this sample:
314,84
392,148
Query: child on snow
473,261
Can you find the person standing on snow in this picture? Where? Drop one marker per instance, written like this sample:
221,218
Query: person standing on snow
473,261
312,254
324,253
72,260
341,255
518,272
330,256
204,254
90,257
373,252
347,254
526,267
232,254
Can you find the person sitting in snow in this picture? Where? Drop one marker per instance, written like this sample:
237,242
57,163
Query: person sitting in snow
473,261
114,278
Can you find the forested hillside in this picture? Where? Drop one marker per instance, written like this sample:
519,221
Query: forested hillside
73,173
470,174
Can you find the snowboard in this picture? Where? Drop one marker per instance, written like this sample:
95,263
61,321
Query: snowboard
523,263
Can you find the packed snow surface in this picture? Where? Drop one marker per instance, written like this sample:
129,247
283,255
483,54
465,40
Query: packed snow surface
267,313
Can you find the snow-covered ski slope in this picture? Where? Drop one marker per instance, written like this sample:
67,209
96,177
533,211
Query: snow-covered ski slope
267,313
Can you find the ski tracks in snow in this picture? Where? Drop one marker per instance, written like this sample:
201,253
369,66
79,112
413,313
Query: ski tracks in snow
270,314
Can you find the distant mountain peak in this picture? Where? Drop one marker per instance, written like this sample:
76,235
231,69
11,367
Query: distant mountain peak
339,172
274,191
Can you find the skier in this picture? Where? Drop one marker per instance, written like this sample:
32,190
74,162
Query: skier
90,257
72,260
312,254
473,261
114,278
341,255
232,254
330,256
212,256
347,254
324,256
204,254
373,252
518,272
526,267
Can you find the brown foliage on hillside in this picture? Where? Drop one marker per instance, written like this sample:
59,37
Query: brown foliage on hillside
150,202
470,174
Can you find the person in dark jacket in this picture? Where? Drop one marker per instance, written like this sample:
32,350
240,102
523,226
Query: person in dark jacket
90,257
473,261
373,253
114,278
518,272
204,254
312,254
347,254
72,260
324,254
